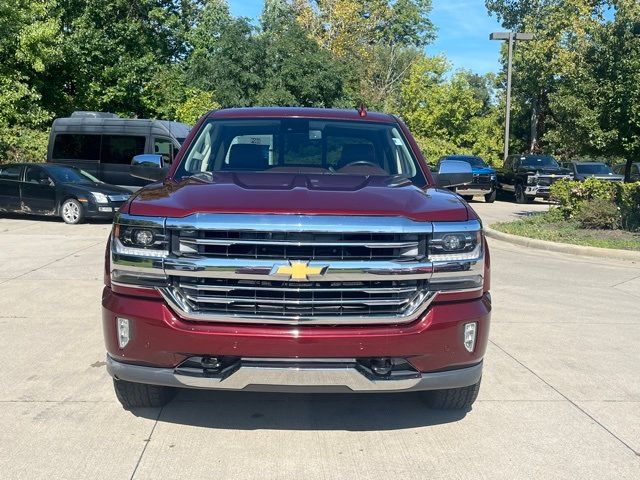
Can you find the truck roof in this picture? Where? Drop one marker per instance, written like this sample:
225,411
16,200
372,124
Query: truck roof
300,112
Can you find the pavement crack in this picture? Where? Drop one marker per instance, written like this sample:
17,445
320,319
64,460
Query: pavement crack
146,444
636,453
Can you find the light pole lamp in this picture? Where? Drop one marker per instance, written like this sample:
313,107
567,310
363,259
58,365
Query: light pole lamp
510,37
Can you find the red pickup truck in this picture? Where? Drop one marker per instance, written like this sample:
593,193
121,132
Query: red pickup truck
297,250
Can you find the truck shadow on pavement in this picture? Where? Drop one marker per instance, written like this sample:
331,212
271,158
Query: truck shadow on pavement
278,411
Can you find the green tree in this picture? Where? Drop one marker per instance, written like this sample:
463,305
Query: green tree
225,56
29,45
449,115
296,71
378,41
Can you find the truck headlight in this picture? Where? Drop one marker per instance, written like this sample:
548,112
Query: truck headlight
100,197
145,240
445,246
456,250
532,179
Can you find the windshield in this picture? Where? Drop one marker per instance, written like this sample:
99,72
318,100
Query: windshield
476,162
593,169
538,162
300,145
71,175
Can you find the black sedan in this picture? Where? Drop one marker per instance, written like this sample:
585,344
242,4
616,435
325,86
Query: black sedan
50,189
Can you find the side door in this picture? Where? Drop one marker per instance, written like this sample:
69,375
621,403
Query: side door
115,159
10,176
38,192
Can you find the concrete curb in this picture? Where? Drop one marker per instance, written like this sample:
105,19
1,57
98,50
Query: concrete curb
562,247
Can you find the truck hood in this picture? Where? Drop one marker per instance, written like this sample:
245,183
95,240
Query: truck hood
295,193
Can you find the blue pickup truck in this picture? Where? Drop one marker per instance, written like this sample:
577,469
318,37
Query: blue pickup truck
484,178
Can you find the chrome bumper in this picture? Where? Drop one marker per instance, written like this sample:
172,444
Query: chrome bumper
474,190
290,375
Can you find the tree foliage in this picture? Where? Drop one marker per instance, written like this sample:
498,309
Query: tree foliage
576,86
450,114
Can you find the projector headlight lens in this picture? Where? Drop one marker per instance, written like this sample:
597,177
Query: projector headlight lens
143,238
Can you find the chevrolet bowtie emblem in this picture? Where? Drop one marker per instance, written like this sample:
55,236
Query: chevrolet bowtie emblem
298,270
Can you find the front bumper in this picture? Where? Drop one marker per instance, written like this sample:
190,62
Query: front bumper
292,375
161,341
538,191
475,189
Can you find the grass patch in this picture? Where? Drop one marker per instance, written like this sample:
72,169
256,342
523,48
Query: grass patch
544,226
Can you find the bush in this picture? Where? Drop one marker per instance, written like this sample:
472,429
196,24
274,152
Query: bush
598,214
628,199
572,196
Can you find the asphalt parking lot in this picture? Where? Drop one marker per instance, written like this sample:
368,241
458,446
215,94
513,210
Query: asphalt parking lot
560,395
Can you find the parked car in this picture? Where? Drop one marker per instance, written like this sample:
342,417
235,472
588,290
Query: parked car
635,171
583,170
294,249
51,189
103,144
484,178
530,176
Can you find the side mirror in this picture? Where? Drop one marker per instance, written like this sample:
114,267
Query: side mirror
148,167
453,173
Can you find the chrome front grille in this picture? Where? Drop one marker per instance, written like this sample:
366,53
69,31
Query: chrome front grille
297,269
299,245
323,301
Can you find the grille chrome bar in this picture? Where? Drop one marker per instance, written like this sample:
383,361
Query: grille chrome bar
229,242
226,288
337,301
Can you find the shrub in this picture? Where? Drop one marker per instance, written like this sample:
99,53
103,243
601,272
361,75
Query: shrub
598,214
571,196
628,199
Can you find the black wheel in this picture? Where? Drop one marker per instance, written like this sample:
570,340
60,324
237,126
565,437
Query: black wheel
132,395
491,197
72,212
453,398
467,198
521,197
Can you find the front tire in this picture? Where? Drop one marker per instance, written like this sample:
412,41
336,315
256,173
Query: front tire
521,197
491,197
72,212
453,398
135,395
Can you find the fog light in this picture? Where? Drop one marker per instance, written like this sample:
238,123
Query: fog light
144,238
469,340
123,331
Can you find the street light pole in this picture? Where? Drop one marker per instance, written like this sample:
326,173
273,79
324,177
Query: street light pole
510,37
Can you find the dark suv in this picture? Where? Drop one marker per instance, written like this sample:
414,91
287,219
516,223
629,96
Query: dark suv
530,176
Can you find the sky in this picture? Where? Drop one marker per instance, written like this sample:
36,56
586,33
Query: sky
463,32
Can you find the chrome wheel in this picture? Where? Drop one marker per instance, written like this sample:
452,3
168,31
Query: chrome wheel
71,212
